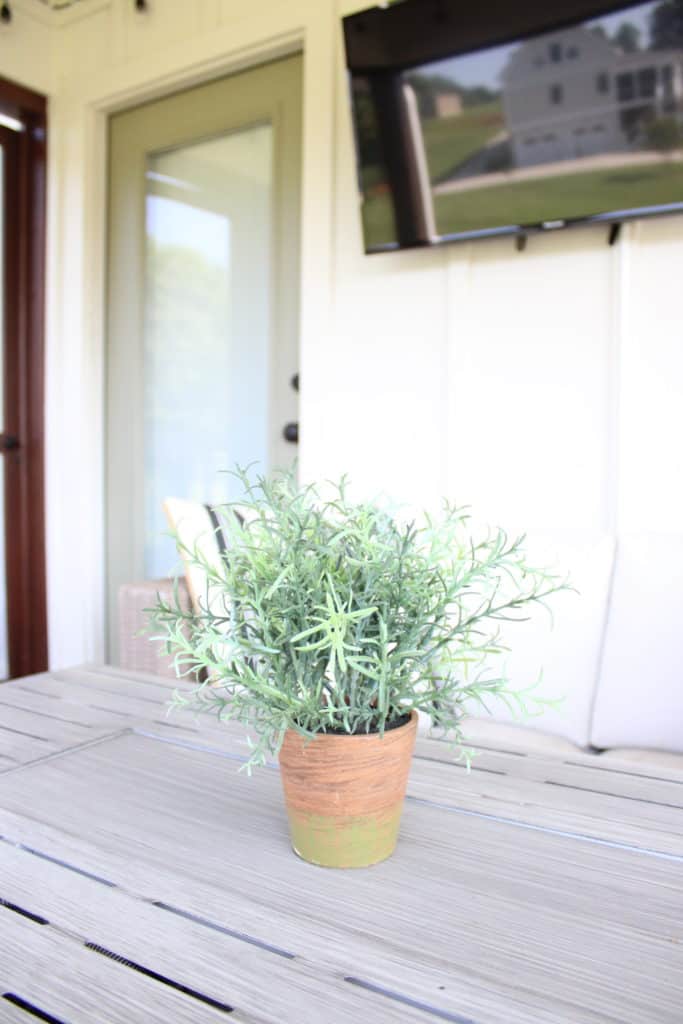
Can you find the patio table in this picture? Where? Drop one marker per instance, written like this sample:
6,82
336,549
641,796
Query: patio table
144,878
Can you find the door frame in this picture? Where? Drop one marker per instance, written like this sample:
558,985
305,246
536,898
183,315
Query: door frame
24,391
77,274
267,94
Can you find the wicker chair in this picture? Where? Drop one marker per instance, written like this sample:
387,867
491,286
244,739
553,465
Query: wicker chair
138,652
195,525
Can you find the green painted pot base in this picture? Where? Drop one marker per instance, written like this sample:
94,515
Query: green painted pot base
345,841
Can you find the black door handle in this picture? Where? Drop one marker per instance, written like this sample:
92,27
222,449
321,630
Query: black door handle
8,443
290,432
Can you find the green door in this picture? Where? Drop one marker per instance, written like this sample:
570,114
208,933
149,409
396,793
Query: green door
203,304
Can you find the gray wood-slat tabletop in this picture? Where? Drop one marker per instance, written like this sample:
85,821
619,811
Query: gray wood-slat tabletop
143,878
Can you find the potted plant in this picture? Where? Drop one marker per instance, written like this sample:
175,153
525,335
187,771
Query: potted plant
326,628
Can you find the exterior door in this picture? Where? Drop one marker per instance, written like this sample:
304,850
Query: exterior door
202,305
23,616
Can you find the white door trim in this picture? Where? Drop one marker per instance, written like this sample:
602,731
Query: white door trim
77,283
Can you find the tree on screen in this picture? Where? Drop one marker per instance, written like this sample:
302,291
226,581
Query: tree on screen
627,37
666,25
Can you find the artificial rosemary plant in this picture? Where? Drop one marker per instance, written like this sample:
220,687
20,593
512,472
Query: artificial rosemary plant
329,615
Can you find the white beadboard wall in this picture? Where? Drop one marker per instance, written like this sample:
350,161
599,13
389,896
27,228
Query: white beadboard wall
543,388
27,46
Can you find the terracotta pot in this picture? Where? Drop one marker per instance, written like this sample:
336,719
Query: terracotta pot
344,794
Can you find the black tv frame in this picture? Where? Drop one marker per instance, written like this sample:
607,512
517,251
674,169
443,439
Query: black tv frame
383,42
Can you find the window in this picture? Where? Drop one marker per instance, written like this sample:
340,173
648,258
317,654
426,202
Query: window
598,127
625,87
529,142
556,94
555,52
549,138
602,82
572,52
579,131
647,83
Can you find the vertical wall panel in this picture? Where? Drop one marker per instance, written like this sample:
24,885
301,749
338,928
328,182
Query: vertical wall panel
531,338
91,33
384,382
177,20
385,407
651,402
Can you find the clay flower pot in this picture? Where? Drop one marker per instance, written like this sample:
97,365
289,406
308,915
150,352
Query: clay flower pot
344,794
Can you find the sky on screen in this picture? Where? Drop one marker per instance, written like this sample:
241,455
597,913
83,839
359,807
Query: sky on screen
485,66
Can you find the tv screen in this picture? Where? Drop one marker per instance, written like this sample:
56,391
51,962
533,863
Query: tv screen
476,120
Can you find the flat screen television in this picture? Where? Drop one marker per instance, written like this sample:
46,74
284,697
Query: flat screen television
475,118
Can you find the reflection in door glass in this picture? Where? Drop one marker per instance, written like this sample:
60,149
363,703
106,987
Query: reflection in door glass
4,669
207,323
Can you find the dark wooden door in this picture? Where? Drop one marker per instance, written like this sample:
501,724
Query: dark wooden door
23,617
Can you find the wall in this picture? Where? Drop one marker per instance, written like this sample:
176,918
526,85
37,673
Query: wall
27,50
109,58
540,387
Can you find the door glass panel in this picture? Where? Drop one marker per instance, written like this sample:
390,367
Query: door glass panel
207,323
4,670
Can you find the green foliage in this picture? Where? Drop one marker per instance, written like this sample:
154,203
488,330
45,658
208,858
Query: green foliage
561,196
451,141
329,615
627,37
665,134
666,25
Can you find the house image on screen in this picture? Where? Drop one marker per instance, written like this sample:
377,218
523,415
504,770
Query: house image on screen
573,94
447,104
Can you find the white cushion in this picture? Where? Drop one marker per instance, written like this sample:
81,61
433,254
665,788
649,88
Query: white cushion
663,760
191,523
640,698
568,651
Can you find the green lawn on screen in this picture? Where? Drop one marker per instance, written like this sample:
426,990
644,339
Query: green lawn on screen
530,202
561,197
449,141
379,226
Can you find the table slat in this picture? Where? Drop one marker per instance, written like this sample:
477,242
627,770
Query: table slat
480,883
223,966
78,986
